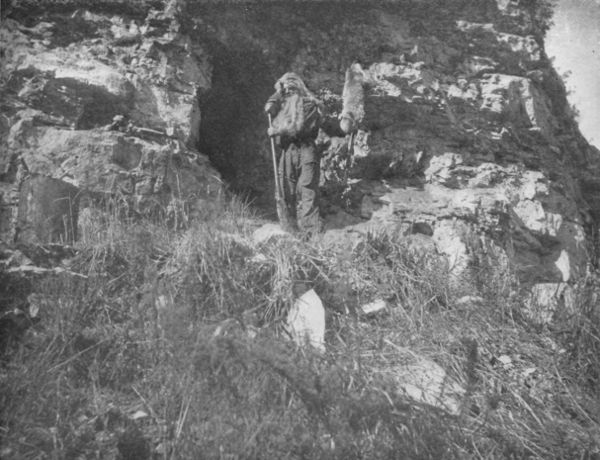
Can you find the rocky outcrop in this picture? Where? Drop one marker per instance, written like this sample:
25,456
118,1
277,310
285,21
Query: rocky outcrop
98,106
467,144
467,139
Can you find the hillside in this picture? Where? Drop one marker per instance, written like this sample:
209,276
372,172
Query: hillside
146,289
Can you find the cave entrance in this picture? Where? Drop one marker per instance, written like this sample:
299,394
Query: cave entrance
251,46
233,125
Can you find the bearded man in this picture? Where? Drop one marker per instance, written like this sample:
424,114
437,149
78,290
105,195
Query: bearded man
297,117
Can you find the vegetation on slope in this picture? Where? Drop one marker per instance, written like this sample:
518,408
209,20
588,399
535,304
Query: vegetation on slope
171,346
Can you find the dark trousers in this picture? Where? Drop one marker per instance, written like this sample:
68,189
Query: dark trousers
299,170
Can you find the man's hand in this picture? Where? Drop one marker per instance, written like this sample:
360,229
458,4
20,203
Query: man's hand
271,131
347,124
272,108
273,105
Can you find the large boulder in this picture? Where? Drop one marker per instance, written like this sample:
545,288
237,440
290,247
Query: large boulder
110,162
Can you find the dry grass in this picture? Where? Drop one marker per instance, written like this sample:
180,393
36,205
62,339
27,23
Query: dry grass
185,327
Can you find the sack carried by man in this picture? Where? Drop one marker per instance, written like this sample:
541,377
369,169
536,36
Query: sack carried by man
353,99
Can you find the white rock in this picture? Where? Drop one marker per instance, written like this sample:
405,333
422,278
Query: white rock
527,47
34,300
470,300
84,69
572,264
138,415
427,382
374,307
441,164
267,232
545,299
506,361
564,265
258,258
535,218
518,98
306,321
529,371
162,303
449,242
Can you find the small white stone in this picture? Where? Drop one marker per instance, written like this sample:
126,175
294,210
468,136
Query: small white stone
376,306
469,300
506,361
527,372
139,414
258,258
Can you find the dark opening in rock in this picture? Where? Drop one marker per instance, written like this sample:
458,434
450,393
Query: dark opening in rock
233,126
251,47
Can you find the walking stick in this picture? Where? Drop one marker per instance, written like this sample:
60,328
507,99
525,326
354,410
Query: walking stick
351,144
282,213
350,151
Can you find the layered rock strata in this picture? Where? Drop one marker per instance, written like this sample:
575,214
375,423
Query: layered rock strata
98,107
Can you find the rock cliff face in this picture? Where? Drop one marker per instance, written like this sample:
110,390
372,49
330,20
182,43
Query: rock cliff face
467,141
98,106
